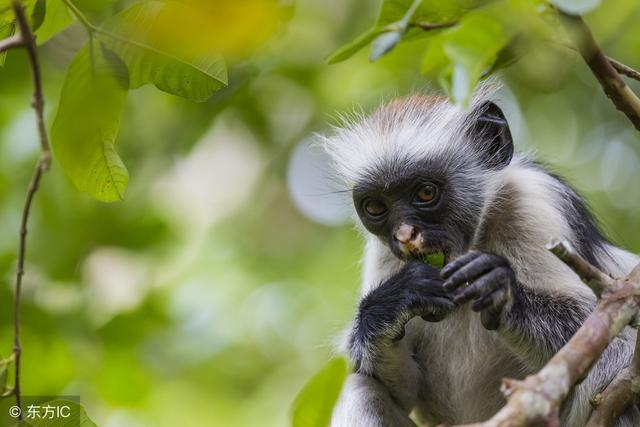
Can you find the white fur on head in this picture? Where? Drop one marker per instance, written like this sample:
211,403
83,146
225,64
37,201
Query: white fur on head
414,127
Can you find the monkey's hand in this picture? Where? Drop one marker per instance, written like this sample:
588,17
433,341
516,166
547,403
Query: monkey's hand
486,279
416,290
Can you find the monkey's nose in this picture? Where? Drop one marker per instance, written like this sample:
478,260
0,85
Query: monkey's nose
405,233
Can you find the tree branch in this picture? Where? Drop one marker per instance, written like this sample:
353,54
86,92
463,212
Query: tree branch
590,275
537,399
12,42
615,88
26,39
624,69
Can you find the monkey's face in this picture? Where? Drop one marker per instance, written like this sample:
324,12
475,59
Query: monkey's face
431,209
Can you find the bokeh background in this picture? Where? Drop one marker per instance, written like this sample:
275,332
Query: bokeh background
217,287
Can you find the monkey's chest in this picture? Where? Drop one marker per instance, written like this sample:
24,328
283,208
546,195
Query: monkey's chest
463,366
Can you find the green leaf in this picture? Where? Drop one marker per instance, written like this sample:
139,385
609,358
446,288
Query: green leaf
473,46
77,415
37,14
348,50
7,29
56,19
576,7
193,78
436,259
314,403
87,122
395,15
460,56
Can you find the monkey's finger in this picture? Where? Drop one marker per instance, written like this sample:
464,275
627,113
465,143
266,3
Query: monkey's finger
496,299
457,263
482,286
470,272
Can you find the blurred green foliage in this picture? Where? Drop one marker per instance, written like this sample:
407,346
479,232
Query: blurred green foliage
205,297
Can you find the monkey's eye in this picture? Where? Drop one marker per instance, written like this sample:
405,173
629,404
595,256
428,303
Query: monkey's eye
374,207
427,193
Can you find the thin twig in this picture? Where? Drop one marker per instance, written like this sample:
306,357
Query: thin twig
590,275
620,67
12,42
614,87
624,69
28,41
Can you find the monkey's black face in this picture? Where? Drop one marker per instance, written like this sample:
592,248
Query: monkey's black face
420,212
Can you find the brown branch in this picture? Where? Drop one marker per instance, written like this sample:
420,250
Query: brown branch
614,87
624,69
27,40
537,399
590,275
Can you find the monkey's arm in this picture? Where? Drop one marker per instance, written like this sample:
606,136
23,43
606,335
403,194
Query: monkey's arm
535,323
377,342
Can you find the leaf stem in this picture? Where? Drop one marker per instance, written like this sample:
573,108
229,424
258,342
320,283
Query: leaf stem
81,16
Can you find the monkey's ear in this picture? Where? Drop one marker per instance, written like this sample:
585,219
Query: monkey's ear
491,135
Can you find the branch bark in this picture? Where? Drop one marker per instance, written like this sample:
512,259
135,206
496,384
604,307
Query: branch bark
537,399
25,38
624,69
614,87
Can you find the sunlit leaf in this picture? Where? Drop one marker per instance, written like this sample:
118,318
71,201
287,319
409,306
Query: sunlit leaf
577,7
201,27
195,78
314,403
87,122
77,415
56,19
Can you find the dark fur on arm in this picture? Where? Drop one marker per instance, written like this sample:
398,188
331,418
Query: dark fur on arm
538,324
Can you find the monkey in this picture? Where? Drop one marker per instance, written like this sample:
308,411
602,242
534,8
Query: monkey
432,344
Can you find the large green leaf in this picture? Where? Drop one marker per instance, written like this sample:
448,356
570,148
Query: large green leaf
195,78
56,19
77,415
87,122
314,403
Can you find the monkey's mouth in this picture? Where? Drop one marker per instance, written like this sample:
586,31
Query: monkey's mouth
419,250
